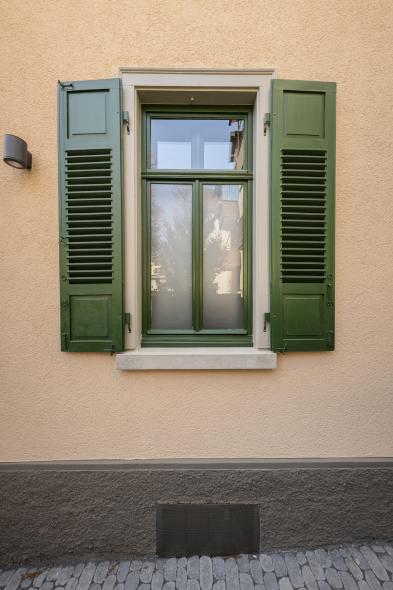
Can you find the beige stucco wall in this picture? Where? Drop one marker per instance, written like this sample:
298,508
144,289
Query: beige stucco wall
56,405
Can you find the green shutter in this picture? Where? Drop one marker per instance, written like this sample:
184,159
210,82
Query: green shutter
90,183
302,215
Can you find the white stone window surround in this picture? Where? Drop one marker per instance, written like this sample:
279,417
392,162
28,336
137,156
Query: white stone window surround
206,86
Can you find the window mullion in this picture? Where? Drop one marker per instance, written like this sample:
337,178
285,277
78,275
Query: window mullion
197,256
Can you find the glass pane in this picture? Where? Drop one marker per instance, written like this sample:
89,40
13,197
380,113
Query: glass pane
210,144
171,256
223,256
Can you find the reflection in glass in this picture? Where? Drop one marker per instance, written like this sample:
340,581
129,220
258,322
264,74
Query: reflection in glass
223,256
171,256
215,144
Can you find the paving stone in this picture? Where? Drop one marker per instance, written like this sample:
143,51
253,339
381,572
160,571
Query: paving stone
61,588
387,562
345,551
231,569
294,572
285,584
157,580
182,562
160,564
388,586
191,585
72,584
65,575
256,571
246,582
340,564
78,570
181,579
101,572
205,573
47,586
363,585
279,565
333,579
147,586
170,568
122,571
25,583
301,558
53,573
375,563
259,587
316,568
86,576
270,581
348,581
6,576
354,568
219,585
359,558
119,587
136,565
218,568
193,568
378,548
323,585
132,581
15,579
243,564
372,580
389,549
266,562
233,583
94,586
309,578
109,583
323,558
146,572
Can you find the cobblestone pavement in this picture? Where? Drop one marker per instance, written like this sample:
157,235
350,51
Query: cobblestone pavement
348,567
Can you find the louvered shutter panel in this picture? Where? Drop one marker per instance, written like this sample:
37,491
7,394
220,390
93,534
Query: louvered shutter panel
91,267
302,215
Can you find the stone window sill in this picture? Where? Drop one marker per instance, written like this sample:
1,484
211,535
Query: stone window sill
162,359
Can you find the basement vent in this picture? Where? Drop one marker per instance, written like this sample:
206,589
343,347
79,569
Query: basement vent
303,216
208,529
88,177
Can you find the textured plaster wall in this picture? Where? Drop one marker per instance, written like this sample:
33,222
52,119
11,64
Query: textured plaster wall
55,405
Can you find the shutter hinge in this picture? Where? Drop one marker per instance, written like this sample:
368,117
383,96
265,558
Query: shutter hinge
127,321
64,338
126,121
330,337
266,122
65,84
266,319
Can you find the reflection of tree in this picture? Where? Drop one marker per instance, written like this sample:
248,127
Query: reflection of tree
216,245
171,240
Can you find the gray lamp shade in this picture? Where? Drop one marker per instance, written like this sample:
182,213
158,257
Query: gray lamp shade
15,152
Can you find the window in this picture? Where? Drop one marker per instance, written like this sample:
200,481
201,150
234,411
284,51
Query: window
236,246
196,226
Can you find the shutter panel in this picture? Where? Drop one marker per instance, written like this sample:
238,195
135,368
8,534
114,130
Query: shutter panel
90,183
302,215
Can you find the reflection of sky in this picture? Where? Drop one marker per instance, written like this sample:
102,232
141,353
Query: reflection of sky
193,143
170,202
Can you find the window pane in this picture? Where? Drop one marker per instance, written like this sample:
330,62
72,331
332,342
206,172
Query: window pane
171,256
210,144
223,256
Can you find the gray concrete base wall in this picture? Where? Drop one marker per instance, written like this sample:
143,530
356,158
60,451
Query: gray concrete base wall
52,511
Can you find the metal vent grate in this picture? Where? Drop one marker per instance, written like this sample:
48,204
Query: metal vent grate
88,178
303,216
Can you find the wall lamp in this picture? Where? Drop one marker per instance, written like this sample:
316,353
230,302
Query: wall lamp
15,152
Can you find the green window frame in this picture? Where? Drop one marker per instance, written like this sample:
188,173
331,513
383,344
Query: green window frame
197,336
